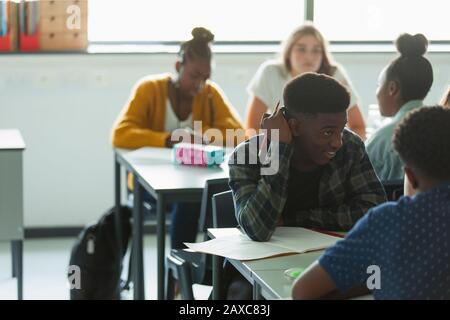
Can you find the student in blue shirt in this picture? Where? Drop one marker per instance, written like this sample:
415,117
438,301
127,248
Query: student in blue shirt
398,250
402,86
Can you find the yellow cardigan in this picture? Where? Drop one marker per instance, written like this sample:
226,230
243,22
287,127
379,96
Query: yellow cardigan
141,122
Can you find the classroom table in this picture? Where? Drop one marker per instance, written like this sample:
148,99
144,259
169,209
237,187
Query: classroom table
155,173
250,269
265,275
271,283
11,199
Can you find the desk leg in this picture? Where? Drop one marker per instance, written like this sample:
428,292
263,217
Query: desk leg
217,267
14,259
117,197
161,238
256,291
17,256
138,248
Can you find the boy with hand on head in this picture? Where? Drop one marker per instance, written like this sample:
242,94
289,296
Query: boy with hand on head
406,242
324,180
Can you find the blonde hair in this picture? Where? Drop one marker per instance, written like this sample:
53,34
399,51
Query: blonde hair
445,102
326,66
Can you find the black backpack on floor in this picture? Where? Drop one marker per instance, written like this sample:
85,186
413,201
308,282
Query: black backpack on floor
97,256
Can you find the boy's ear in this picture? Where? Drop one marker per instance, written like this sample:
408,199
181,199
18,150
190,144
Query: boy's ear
411,181
295,126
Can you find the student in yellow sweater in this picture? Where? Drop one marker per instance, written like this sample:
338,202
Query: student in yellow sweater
161,104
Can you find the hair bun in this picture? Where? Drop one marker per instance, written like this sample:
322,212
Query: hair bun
202,34
409,45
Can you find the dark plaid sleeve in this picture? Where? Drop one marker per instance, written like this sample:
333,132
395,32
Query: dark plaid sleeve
259,198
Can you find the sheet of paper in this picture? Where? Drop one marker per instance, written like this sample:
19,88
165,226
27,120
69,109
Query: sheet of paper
301,239
238,247
284,240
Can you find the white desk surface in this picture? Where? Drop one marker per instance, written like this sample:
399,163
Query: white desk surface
269,273
302,260
11,139
274,285
155,166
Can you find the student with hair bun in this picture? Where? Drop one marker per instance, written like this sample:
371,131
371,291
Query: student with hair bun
402,86
161,104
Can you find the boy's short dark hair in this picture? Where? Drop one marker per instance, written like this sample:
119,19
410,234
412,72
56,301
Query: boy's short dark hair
422,140
314,93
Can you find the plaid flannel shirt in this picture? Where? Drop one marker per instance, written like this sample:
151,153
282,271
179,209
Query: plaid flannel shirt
348,188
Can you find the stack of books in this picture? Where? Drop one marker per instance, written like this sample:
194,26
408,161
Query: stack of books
8,25
43,25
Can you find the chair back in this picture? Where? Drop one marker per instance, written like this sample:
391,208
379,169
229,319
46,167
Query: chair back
393,189
223,210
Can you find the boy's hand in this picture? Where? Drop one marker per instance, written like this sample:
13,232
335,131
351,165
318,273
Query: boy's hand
277,121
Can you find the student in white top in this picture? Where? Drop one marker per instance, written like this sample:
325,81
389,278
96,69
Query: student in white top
305,50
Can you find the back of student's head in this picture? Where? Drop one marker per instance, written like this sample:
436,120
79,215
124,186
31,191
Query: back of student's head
198,47
422,141
313,93
411,70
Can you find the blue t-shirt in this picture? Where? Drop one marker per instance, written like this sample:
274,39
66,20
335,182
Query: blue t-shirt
407,241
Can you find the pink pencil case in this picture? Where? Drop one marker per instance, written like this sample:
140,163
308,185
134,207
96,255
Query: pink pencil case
197,154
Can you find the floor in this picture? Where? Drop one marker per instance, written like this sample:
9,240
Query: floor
45,268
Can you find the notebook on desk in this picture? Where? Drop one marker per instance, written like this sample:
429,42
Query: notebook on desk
285,240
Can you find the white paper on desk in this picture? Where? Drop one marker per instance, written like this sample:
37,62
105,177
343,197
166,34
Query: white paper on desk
284,240
150,155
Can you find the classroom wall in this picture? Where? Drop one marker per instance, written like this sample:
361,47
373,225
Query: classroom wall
65,106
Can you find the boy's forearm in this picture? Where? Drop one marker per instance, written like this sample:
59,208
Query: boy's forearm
260,199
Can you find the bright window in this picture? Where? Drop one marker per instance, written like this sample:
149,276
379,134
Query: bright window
172,20
377,20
